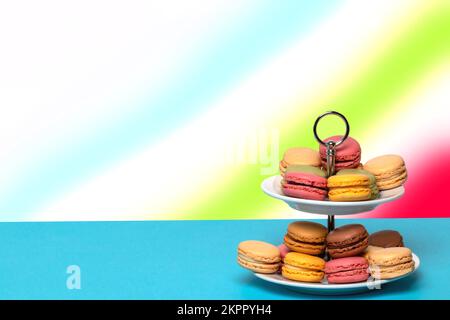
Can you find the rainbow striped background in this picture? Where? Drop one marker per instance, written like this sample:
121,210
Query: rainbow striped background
117,110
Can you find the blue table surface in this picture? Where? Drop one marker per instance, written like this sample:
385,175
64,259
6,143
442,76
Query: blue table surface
185,260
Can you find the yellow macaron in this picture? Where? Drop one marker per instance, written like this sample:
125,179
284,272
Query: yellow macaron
349,187
303,267
372,179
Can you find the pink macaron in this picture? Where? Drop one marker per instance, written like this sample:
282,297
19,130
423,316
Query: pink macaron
347,270
284,250
348,154
305,182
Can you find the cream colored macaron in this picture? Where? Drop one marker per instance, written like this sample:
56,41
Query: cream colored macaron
259,256
300,156
389,170
388,263
369,250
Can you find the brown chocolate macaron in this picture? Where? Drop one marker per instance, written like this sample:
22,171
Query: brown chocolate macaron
347,241
386,239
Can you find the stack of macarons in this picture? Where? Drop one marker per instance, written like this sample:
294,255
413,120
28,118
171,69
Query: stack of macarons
353,254
387,256
308,241
383,239
304,170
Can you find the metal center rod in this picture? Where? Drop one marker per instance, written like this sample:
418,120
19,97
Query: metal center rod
331,158
331,151
330,223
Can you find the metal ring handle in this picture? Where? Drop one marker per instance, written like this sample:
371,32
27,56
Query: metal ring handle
340,115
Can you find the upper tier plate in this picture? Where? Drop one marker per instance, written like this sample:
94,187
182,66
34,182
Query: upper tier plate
272,187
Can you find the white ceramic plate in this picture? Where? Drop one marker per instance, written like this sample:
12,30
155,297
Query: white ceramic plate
324,288
272,187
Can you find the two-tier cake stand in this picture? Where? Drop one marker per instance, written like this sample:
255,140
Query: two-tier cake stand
272,187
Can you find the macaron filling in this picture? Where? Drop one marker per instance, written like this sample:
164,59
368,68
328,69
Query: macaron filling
311,245
348,240
338,265
300,183
253,261
348,276
349,246
304,192
305,242
389,272
243,257
300,268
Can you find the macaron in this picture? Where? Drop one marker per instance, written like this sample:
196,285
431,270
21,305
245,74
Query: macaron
348,153
299,156
284,250
306,237
347,241
389,170
388,263
386,239
369,251
306,182
372,179
259,256
303,267
349,187
347,270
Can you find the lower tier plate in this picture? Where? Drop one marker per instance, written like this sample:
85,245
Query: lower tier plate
324,288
